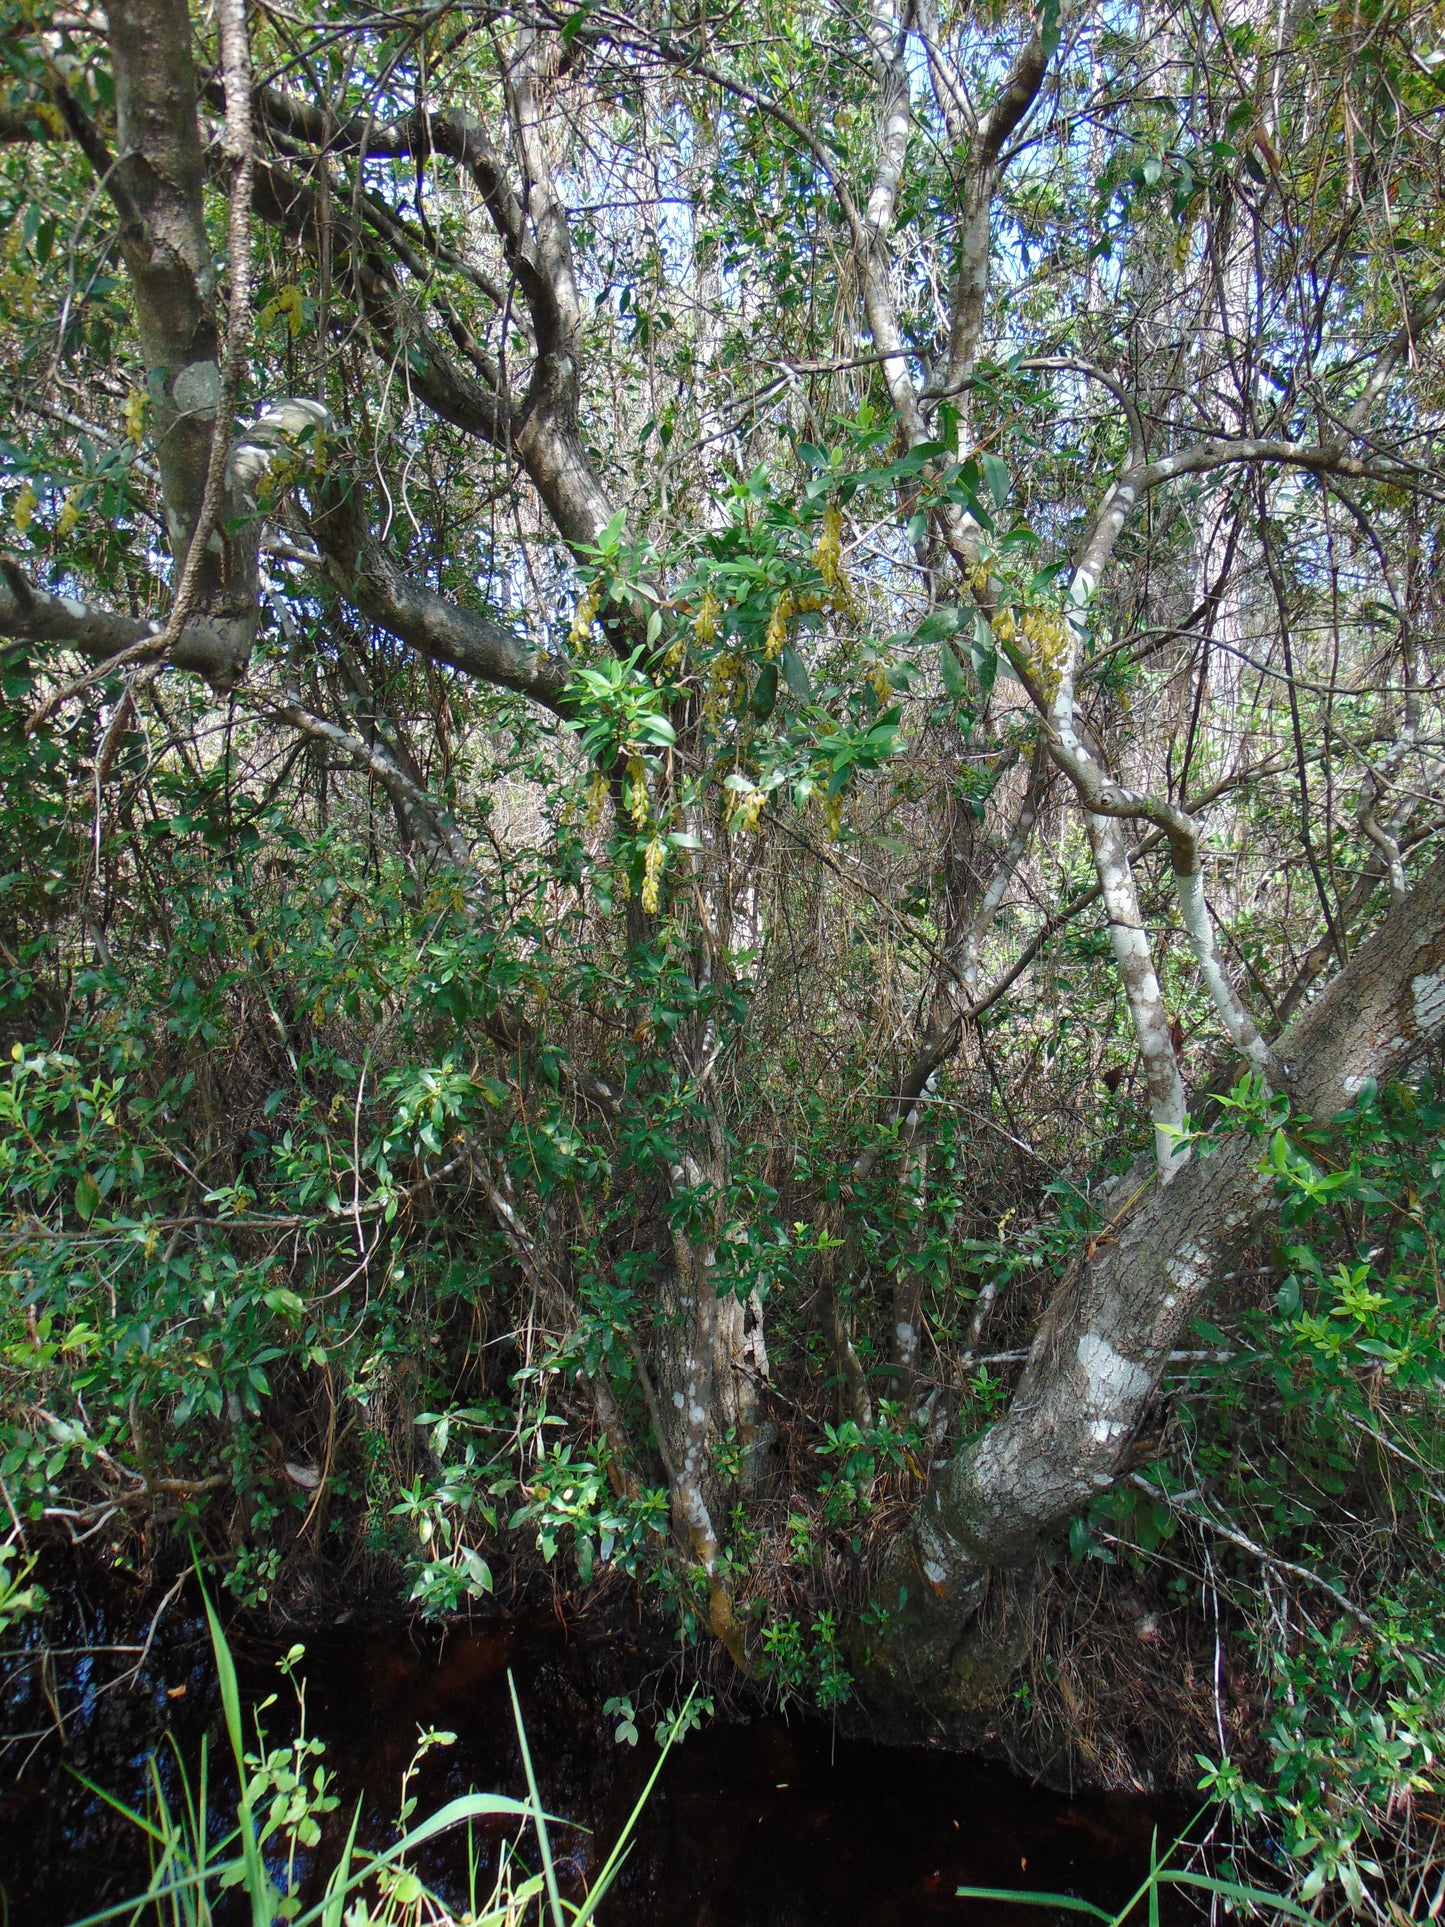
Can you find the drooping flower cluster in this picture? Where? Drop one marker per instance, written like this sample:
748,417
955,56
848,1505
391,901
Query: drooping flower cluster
638,803
725,677
749,810
1045,637
828,553
704,623
585,614
653,859
777,637
596,802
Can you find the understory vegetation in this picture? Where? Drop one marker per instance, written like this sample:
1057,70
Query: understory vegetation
719,857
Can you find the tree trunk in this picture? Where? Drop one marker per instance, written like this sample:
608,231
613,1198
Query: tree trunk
710,1359
1097,1359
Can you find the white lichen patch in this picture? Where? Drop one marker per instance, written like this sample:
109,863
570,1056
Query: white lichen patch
1427,995
1182,1267
1109,1373
196,390
1111,1380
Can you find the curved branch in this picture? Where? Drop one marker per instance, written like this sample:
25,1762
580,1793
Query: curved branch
367,576
213,646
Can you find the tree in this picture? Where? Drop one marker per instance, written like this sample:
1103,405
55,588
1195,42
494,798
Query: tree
871,482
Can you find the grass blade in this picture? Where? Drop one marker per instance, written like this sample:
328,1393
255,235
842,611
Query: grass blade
1246,1896
539,1818
257,1880
1065,1901
470,1806
1154,1878
340,1876
230,1689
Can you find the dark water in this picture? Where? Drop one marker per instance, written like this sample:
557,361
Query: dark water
765,1824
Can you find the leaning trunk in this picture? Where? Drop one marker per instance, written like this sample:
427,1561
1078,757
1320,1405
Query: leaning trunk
1097,1359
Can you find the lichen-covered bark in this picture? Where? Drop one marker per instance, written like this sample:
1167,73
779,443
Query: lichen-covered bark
157,181
1130,943
1096,1361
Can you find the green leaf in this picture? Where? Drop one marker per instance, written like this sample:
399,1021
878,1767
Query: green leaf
983,653
796,676
87,1196
609,541
765,692
938,625
1233,1890
955,682
995,473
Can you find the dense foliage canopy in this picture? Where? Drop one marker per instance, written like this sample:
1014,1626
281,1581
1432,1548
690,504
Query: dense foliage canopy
720,784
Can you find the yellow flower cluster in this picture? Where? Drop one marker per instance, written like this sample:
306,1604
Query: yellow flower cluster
18,286
652,862
1046,635
596,802
777,637
749,810
288,303
281,472
637,804
585,614
828,555
724,679
704,623
828,560
833,813
882,688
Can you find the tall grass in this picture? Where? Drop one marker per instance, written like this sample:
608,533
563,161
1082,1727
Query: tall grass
285,1794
